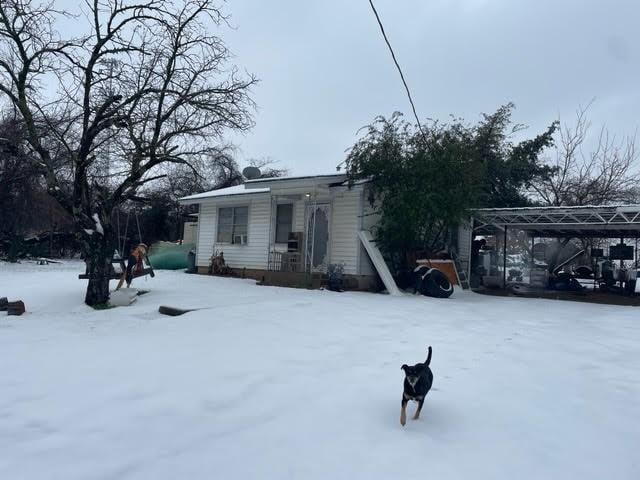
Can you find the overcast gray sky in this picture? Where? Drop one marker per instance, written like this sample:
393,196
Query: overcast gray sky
325,70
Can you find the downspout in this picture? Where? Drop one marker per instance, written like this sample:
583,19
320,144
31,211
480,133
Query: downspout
269,243
360,227
504,260
315,206
198,234
472,227
306,235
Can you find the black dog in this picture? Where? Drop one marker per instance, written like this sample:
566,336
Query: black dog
417,383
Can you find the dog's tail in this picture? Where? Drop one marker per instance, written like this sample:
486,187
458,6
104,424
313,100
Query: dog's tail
428,357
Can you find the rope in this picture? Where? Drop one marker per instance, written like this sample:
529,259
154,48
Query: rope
138,224
119,237
124,239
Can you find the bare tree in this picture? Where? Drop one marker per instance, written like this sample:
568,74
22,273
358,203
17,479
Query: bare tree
605,175
145,85
268,168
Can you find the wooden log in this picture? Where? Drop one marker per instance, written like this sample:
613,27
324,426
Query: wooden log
175,312
16,308
172,311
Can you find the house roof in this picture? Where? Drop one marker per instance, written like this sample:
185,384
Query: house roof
324,178
276,184
223,192
298,184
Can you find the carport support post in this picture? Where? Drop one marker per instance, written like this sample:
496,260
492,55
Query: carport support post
533,244
504,259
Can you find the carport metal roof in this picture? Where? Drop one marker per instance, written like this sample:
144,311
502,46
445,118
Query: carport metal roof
613,221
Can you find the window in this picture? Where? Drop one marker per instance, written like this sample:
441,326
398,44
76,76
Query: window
284,222
232,225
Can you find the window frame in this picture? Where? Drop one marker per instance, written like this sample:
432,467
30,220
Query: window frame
275,240
233,225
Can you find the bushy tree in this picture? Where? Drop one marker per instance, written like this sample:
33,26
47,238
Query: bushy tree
420,184
423,182
509,169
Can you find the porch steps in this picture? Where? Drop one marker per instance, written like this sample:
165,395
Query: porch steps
376,258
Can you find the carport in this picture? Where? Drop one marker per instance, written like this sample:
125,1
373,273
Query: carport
619,222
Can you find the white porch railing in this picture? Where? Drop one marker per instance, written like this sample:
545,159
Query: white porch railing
285,262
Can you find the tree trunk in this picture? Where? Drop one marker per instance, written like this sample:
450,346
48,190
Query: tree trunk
98,253
15,246
98,262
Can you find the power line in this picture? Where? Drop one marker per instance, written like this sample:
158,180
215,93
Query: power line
393,55
404,82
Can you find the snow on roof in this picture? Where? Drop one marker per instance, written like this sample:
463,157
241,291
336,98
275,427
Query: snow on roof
224,192
250,186
338,176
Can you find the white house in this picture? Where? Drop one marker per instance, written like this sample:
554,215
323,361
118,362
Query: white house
287,231
279,227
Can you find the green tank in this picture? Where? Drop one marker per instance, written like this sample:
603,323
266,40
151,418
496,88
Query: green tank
170,256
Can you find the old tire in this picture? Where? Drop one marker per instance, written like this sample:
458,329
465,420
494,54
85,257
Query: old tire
418,278
436,284
584,271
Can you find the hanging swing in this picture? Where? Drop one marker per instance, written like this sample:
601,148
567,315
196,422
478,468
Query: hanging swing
140,270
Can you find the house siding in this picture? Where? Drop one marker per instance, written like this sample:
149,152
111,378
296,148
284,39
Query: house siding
254,255
346,218
298,216
369,220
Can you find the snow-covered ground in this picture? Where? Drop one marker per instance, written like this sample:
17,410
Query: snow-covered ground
291,384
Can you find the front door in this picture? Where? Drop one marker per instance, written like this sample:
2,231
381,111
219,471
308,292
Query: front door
317,238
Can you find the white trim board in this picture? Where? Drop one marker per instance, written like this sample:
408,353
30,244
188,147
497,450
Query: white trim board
376,258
